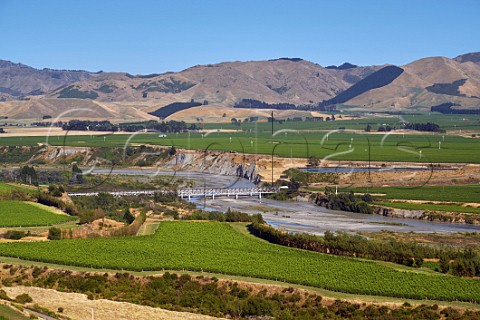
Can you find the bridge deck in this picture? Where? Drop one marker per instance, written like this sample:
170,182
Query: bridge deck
188,192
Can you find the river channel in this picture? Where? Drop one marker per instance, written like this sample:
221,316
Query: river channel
296,216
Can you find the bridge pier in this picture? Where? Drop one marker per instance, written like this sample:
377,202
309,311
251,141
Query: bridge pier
236,195
259,195
213,196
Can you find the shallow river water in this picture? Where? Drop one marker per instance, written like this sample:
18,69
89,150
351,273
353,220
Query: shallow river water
298,216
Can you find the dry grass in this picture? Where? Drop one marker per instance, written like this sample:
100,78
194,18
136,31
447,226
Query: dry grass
77,306
46,131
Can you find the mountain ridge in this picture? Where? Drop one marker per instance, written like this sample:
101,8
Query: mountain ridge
422,83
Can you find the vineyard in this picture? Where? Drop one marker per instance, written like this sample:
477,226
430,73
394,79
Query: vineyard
6,188
24,214
220,248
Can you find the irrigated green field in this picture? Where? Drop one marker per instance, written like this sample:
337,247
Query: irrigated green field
25,214
446,122
221,248
334,145
450,193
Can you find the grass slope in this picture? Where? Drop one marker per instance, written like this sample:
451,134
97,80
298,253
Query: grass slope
17,213
7,187
219,248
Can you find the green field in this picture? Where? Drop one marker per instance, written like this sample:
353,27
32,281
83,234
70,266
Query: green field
25,214
450,193
7,313
338,146
5,187
221,248
431,207
446,122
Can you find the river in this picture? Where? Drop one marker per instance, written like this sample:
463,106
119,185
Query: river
297,216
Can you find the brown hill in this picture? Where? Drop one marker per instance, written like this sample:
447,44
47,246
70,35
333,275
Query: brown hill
68,109
274,81
469,57
18,80
124,97
413,88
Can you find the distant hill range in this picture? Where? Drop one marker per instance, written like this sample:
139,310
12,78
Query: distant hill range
213,90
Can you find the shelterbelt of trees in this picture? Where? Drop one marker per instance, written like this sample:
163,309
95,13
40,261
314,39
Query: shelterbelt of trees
107,126
465,262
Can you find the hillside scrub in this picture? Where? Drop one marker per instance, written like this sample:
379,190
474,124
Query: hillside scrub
221,298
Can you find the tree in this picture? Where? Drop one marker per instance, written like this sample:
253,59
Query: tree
313,161
368,128
172,151
293,185
444,263
29,175
54,233
128,216
91,215
77,174
104,200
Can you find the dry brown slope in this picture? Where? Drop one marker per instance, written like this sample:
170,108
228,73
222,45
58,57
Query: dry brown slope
21,80
78,307
35,109
409,88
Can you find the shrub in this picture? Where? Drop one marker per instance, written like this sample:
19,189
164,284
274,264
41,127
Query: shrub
15,234
23,298
54,233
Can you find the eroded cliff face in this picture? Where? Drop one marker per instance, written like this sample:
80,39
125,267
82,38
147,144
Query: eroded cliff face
224,163
215,162
452,217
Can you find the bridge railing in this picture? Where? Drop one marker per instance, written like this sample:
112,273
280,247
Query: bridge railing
185,192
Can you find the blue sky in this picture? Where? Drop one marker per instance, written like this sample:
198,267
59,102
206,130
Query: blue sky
143,36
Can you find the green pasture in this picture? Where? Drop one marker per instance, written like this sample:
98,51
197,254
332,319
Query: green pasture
449,193
334,145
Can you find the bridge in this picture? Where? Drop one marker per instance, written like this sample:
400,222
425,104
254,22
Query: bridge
189,192
219,192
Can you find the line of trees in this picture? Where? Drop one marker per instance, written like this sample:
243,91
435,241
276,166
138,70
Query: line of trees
427,127
446,108
107,126
345,201
257,104
347,245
